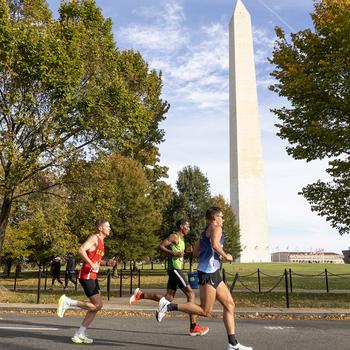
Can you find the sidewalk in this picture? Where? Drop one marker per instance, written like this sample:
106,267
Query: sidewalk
120,305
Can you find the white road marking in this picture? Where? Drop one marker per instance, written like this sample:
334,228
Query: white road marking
30,328
278,328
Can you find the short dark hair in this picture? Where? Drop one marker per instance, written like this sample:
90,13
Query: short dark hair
180,222
211,212
100,222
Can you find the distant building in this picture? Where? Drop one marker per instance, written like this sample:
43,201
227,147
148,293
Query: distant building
346,254
317,257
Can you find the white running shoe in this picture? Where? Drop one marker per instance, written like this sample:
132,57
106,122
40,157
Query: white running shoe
238,346
81,338
162,310
62,305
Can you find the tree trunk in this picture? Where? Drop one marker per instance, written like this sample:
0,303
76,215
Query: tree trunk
4,217
7,269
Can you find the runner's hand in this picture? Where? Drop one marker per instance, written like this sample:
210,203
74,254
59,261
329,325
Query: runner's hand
179,254
95,266
229,257
111,262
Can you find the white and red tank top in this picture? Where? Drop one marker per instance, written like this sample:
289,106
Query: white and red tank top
96,256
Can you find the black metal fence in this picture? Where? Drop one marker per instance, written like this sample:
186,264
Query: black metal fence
110,278
121,282
259,282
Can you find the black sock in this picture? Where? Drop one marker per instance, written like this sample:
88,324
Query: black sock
172,307
232,339
193,325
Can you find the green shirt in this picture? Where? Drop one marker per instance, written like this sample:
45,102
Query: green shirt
176,262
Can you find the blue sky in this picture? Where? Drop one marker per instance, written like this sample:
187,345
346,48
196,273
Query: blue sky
188,41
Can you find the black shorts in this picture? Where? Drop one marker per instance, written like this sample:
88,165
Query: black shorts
90,287
213,278
176,279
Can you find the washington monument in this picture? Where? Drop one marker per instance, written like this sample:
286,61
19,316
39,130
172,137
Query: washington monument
246,166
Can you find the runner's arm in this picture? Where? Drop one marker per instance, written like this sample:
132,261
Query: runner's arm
89,244
111,262
215,236
163,246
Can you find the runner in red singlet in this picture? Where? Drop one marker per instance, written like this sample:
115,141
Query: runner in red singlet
91,252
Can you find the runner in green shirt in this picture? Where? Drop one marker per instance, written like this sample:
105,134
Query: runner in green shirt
174,247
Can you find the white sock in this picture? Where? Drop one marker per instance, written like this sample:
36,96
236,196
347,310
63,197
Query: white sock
72,302
81,330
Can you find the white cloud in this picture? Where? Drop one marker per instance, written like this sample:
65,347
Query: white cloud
165,35
265,82
263,38
153,38
195,67
200,76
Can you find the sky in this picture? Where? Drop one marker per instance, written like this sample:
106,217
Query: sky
188,41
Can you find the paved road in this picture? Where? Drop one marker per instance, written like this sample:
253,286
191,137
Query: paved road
29,332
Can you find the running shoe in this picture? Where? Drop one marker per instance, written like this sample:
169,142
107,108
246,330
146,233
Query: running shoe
238,346
163,303
62,305
136,296
81,338
198,330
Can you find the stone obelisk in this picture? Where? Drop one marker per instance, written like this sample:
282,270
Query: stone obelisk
247,188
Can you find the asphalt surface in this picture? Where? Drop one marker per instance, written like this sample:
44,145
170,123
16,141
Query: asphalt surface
121,326
29,332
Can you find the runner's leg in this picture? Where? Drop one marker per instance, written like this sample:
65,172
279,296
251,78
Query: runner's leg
224,296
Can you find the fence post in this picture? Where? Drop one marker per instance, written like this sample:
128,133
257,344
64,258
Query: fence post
139,280
39,284
108,283
66,278
287,289
121,283
327,285
290,280
224,276
234,282
76,280
45,283
259,282
151,265
130,282
15,282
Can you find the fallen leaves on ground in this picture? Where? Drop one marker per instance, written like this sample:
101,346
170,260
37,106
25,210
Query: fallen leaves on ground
149,314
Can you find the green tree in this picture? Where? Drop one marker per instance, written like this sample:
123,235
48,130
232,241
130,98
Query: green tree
192,199
39,229
148,86
15,248
115,187
313,71
66,91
